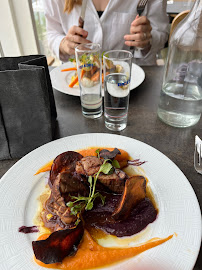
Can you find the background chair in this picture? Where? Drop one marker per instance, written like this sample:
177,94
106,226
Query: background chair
178,18
50,60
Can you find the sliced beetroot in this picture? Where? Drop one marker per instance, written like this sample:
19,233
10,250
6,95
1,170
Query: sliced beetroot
64,162
134,192
58,245
106,154
25,229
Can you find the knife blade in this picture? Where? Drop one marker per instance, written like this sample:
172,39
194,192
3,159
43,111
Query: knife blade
82,15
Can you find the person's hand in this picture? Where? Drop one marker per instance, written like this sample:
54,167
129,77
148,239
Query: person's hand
140,33
74,37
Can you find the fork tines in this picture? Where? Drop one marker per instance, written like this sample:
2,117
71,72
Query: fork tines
142,3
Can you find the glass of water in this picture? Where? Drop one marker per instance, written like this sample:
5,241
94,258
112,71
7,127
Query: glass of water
89,68
117,73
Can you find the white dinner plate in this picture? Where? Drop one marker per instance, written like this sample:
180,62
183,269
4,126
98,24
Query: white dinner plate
61,80
179,211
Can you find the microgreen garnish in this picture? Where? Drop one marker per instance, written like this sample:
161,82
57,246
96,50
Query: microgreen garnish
115,164
80,203
98,152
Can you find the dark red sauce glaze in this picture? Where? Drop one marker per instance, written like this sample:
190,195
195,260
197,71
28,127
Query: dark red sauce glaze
100,217
25,229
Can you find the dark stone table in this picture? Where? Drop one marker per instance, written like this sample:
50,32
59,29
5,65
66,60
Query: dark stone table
143,124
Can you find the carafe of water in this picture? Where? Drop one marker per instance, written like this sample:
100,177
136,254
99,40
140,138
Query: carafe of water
180,102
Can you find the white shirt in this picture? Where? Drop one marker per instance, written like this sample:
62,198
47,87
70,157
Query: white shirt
109,30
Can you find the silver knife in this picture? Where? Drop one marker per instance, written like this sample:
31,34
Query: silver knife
82,15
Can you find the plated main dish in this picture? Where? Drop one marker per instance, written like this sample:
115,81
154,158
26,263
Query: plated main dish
91,194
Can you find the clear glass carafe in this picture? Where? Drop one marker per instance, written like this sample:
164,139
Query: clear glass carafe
180,102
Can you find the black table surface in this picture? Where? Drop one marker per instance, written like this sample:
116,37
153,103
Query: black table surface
143,124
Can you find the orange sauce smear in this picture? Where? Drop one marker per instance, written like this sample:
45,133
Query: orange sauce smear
91,255
87,152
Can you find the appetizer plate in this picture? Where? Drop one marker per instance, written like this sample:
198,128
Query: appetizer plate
61,80
179,211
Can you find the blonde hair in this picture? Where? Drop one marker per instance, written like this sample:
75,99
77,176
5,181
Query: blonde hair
69,5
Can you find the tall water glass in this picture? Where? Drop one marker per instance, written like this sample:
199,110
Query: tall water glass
117,73
89,68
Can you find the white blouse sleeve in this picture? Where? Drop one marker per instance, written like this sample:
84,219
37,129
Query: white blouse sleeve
55,32
156,13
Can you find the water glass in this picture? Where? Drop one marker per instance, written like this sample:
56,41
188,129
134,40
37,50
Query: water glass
117,73
89,68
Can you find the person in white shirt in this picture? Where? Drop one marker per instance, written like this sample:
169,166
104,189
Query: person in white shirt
119,27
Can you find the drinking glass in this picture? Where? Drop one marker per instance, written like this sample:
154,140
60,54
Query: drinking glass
89,68
117,73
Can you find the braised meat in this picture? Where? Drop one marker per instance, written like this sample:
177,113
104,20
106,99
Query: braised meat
64,162
65,184
88,165
115,181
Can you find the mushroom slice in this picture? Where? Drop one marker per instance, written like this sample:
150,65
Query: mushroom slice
134,192
106,154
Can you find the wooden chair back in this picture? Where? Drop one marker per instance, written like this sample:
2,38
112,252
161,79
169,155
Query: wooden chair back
177,19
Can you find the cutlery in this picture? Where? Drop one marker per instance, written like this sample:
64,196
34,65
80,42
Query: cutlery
197,155
82,15
1,50
140,8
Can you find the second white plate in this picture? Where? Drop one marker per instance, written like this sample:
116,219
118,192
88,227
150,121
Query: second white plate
61,80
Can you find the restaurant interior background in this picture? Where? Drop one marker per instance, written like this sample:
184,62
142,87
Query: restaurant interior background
23,29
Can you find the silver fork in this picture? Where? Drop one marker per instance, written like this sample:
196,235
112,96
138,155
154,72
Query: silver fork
140,8
197,158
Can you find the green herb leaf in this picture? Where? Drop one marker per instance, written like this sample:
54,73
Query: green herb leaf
115,164
105,168
111,171
74,211
100,196
70,204
90,180
89,206
77,221
98,152
79,198
102,199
